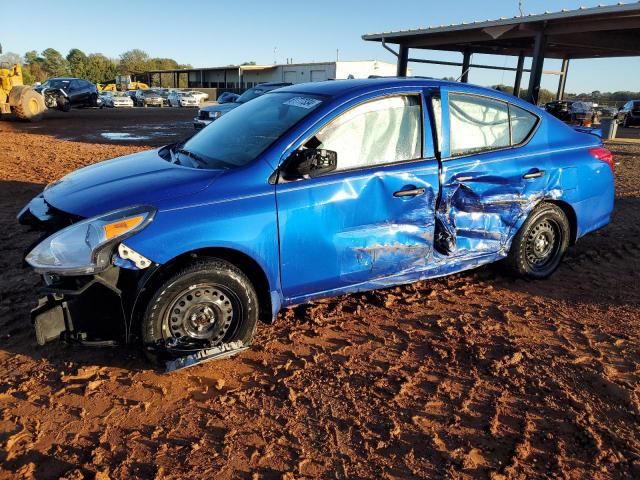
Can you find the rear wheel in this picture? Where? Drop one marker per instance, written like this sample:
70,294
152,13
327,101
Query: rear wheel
541,243
205,304
30,106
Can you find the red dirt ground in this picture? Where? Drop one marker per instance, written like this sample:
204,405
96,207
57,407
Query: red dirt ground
476,375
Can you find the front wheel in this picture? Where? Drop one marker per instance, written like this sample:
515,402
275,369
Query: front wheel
205,304
541,243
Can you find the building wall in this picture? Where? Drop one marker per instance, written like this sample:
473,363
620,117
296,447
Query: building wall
293,73
365,69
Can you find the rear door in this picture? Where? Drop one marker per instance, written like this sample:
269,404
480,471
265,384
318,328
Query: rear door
488,181
369,223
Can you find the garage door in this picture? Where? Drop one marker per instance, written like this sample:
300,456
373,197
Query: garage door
318,75
290,77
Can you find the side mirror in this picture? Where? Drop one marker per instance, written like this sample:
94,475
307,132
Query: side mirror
311,162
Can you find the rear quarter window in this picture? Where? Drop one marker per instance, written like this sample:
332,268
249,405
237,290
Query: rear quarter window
522,124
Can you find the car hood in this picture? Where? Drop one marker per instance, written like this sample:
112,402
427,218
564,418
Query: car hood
143,178
223,107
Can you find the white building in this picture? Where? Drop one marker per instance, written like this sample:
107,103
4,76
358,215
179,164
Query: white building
247,76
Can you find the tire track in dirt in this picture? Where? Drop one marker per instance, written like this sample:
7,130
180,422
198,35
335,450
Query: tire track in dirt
476,375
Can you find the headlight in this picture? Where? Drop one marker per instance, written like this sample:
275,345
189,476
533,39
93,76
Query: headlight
85,247
215,115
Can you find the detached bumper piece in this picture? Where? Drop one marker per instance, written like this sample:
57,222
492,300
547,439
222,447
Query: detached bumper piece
83,310
206,355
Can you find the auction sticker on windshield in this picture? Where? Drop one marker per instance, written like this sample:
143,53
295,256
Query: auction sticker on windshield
302,102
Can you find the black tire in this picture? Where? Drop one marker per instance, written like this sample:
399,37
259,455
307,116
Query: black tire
30,106
204,304
539,246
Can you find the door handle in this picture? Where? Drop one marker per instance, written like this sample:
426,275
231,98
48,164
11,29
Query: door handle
414,192
535,174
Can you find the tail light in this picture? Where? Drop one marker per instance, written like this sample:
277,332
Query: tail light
603,155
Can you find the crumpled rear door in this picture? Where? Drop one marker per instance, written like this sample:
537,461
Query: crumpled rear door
484,195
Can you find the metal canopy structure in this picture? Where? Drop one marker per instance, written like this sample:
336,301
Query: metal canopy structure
598,32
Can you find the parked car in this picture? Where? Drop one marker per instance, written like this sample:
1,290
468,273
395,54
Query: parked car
573,111
148,98
201,96
629,114
606,111
583,113
310,191
65,93
164,93
227,97
121,100
206,115
105,98
560,109
182,99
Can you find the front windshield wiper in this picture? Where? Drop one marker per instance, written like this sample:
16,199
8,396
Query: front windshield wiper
197,160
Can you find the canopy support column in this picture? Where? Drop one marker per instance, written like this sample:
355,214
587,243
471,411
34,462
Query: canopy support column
403,60
519,69
539,49
562,83
466,64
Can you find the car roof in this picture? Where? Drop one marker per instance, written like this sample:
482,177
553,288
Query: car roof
335,88
355,87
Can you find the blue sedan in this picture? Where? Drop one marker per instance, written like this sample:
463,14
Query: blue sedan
310,191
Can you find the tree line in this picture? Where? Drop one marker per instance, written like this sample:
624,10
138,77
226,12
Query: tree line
601,98
95,67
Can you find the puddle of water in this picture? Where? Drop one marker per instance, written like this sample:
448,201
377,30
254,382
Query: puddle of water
122,136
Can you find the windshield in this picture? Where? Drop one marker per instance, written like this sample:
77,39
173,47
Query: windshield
56,83
241,135
250,95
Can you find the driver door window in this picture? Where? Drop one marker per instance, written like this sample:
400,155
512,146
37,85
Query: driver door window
379,132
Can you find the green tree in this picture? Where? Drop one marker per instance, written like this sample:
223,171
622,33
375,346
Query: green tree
78,63
100,69
134,61
53,63
32,70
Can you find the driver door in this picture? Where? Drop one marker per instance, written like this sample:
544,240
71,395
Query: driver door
370,222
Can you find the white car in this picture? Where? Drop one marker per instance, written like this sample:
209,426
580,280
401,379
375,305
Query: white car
182,99
121,100
201,96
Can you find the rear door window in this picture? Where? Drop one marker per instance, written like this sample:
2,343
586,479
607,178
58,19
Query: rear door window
477,124
481,124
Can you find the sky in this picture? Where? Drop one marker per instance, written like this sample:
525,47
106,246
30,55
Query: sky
214,33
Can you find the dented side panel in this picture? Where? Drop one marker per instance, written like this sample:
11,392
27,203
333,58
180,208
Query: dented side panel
484,197
349,228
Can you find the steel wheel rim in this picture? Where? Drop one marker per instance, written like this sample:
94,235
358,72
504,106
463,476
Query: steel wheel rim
543,243
203,313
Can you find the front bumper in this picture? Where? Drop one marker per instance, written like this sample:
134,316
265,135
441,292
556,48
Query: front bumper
199,123
87,309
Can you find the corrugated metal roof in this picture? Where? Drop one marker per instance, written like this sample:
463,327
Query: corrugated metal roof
503,21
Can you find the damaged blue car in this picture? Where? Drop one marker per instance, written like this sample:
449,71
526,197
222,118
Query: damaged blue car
309,191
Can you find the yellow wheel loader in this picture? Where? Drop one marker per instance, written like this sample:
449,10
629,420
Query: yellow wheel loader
123,83
16,97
